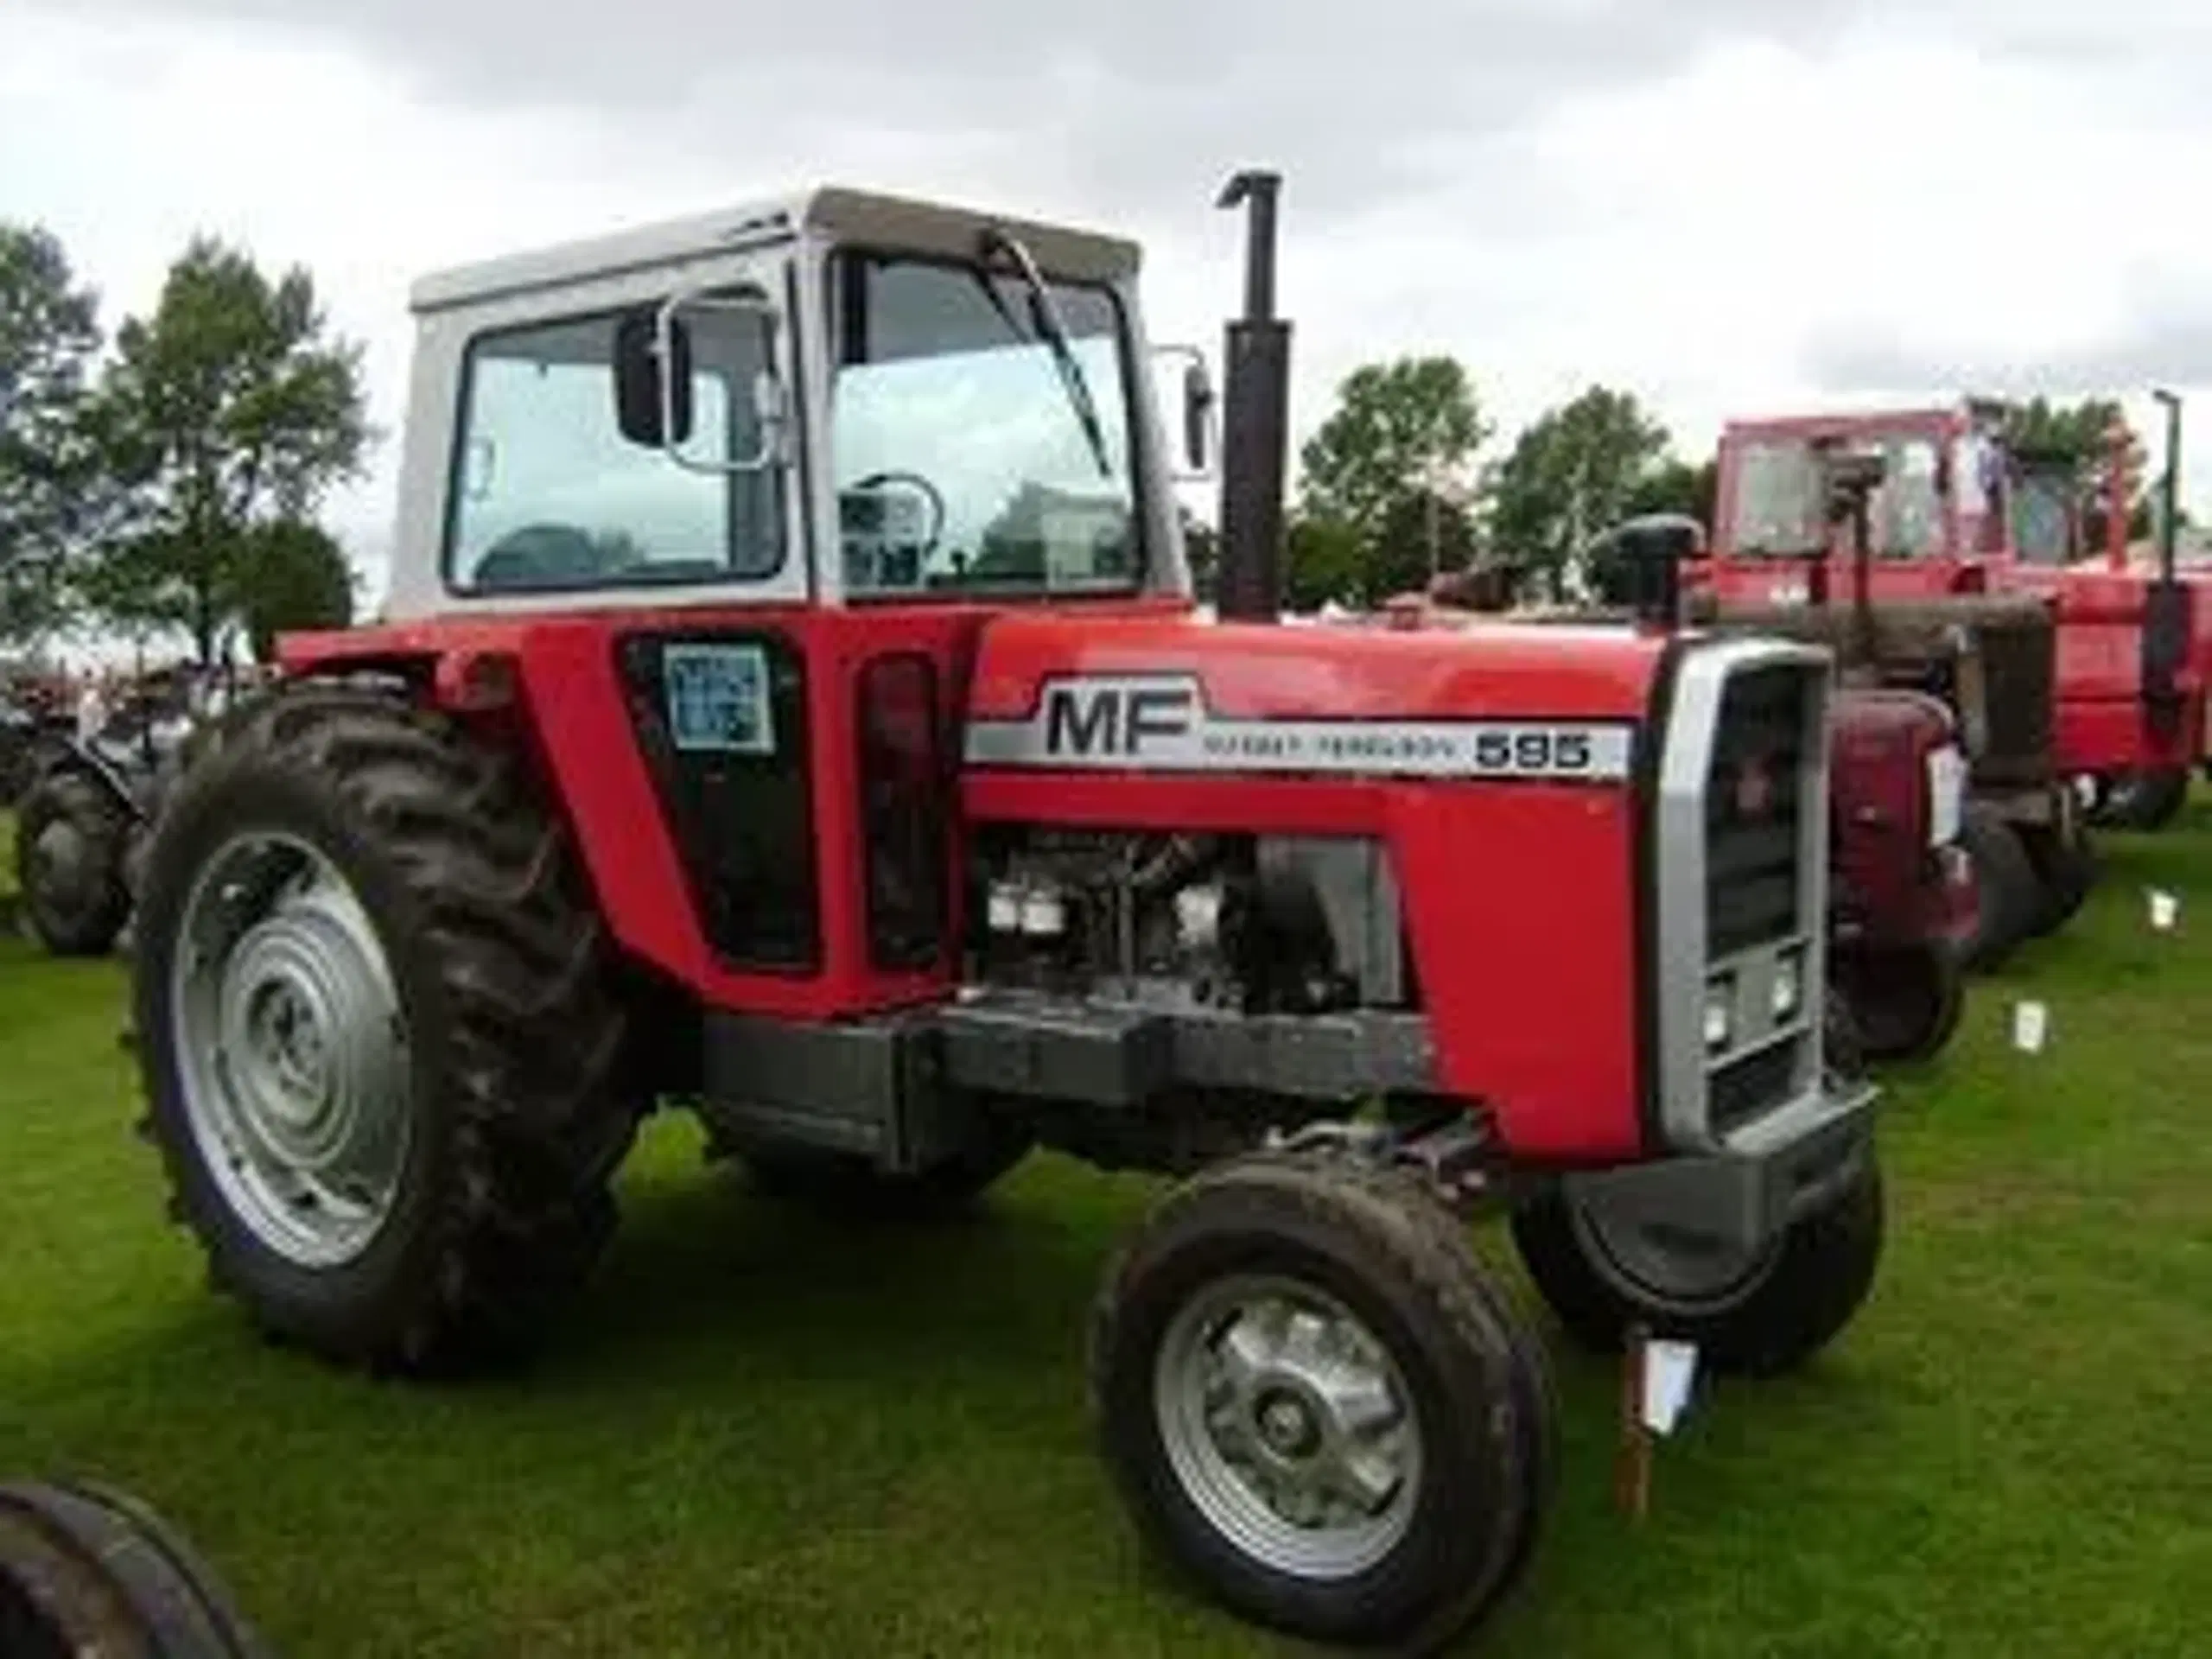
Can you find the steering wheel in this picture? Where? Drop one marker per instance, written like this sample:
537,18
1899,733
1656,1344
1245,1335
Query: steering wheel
540,555
889,482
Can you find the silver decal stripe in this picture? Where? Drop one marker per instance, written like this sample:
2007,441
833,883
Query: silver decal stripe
1162,723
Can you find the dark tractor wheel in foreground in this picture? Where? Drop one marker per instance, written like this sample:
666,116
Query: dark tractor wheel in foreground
2146,802
87,1571
73,840
2011,897
1318,1403
2065,865
383,1062
850,1183
1760,1312
1905,1001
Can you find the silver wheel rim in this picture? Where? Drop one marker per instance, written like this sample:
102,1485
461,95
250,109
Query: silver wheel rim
1663,1268
1289,1427
291,1048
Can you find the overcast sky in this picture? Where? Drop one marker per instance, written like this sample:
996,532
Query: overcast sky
1732,206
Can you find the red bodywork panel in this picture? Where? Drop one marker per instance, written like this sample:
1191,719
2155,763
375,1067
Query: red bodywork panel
1520,896
1890,886
2101,721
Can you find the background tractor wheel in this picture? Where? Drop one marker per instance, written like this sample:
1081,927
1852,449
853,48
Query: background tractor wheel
87,1571
2065,865
1760,1312
383,1062
2011,897
2146,802
72,840
1905,1001
1316,1401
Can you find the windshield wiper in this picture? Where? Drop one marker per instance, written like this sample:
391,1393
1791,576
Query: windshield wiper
1044,317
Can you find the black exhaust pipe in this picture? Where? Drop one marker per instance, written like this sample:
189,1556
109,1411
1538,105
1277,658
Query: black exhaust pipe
1256,418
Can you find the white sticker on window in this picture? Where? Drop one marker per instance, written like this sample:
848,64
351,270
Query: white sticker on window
718,698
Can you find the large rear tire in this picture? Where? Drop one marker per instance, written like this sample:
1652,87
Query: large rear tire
87,1570
1317,1402
2065,865
384,1066
2009,896
73,842
2146,802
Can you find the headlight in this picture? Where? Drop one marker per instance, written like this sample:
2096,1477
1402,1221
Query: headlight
1947,789
1787,990
1720,1011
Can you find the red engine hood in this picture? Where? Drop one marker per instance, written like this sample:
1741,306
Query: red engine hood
1263,672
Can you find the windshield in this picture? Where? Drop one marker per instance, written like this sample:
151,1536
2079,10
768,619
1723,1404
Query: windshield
1780,510
971,451
2042,517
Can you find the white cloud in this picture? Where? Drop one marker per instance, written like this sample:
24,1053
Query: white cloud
1726,215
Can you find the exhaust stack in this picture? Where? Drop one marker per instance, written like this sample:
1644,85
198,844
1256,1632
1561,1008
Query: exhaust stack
1256,418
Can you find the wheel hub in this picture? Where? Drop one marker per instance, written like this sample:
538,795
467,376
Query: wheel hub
294,1049
1290,1427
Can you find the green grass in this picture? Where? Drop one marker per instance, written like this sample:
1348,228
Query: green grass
764,1435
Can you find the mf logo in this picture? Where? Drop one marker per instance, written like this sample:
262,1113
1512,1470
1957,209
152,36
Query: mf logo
1109,719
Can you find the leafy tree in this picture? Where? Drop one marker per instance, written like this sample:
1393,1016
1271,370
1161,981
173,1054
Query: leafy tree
1573,472
1423,534
293,577
230,408
1399,428
1324,560
2078,437
48,335
1676,485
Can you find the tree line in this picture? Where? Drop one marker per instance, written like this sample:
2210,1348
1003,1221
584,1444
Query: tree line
164,484
1395,485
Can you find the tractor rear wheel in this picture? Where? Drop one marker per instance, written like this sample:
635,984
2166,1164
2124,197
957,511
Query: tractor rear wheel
2146,802
1905,1000
73,841
85,1570
2004,879
2065,865
383,1062
1317,1401
1759,1312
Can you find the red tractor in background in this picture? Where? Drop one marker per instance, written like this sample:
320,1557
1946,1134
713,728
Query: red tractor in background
2136,632
1932,607
793,710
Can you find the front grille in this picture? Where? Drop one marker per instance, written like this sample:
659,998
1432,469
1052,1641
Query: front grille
1752,811
2018,665
1743,1089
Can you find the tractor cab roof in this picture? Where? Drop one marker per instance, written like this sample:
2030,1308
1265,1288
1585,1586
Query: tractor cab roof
828,213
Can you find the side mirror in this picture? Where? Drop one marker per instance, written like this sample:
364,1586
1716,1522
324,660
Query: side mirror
660,352
645,397
1197,405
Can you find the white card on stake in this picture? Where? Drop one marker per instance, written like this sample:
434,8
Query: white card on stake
2031,1026
1669,1368
2165,910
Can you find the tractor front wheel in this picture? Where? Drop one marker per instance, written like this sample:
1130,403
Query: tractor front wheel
1759,1312
2065,865
72,843
381,1057
1905,1000
1317,1401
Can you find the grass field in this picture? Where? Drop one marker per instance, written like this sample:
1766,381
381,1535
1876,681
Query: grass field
763,1435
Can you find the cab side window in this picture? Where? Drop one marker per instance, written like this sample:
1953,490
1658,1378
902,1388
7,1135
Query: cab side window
547,494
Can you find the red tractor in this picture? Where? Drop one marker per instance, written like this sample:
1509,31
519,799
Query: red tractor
793,708
2131,645
1931,606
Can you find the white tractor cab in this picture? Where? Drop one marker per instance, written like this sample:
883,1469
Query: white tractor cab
844,425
